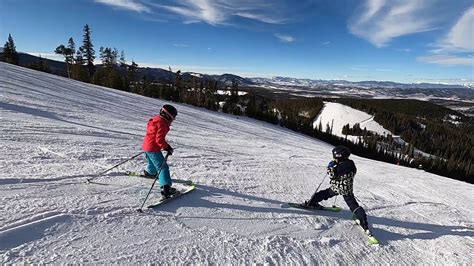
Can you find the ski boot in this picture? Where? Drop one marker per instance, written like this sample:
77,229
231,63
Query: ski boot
168,191
148,175
369,234
363,223
317,206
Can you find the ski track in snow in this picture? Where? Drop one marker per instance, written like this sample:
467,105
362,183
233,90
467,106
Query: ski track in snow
58,132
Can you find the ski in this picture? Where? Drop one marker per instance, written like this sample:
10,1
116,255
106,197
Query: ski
178,181
371,238
178,194
323,208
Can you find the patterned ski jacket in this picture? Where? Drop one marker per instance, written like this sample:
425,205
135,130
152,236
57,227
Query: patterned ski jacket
342,176
156,130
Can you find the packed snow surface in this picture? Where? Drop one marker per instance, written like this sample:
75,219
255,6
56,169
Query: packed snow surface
337,115
57,132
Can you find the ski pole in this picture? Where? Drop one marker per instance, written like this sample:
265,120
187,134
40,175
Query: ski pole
156,178
103,172
324,178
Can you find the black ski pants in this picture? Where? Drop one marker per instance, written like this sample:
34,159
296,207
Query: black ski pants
350,200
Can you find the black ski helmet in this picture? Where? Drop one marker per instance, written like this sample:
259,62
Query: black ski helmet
169,112
341,152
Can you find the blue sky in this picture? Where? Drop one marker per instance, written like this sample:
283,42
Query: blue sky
402,41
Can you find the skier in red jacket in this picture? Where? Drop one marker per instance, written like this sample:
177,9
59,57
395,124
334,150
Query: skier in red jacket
154,142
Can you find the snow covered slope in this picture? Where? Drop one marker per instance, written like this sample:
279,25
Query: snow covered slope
57,132
339,115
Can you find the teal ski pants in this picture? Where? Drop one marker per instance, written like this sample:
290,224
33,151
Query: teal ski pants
155,161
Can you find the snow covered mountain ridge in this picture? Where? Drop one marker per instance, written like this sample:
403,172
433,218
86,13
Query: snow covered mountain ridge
459,97
57,132
455,97
364,84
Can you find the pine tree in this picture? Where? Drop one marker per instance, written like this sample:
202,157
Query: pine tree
251,109
176,96
79,72
9,51
346,129
201,93
88,50
133,69
233,99
103,55
72,47
79,57
114,54
210,95
109,75
328,128
68,53
132,74
122,61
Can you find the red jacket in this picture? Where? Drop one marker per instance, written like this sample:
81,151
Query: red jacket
156,130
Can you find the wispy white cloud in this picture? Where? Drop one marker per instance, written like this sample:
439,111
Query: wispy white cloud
447,60
196,11
461,36
182,45
380,21
131,5
221,12
405,50
284,38
262,17
326,43
457,46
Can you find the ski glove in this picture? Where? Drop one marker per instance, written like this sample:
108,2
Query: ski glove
169,150
331,170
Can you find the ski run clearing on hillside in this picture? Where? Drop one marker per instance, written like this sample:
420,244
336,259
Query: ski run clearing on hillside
337,115
57,132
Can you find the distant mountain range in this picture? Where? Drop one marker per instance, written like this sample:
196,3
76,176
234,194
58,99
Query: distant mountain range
288,81
458,97
228,79
367,84
56,67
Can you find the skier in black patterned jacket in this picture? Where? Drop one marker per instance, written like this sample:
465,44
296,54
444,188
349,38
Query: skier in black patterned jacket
342,171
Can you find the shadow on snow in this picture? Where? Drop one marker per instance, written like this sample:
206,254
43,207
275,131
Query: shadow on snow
199,197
